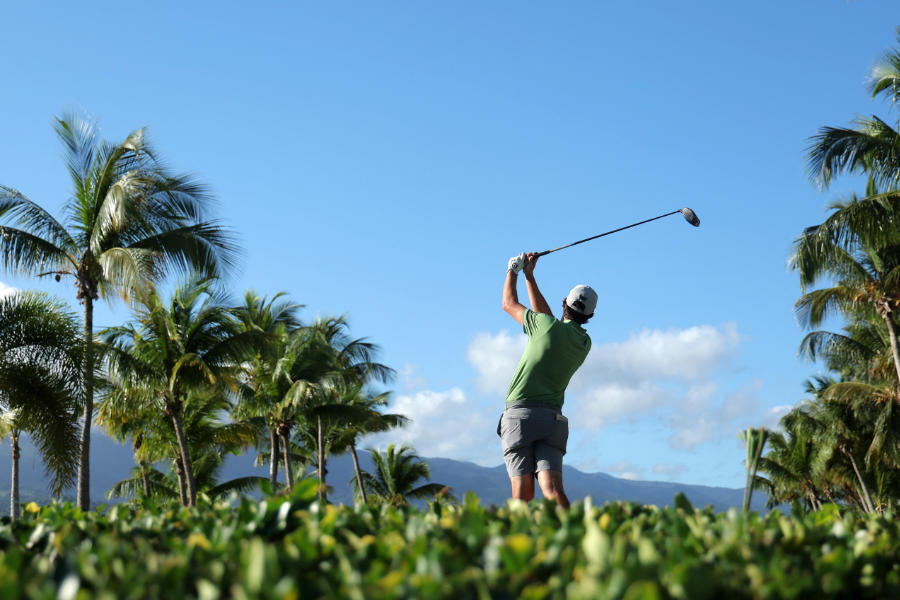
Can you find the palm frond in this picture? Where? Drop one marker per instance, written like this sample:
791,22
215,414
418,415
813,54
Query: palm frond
872,146
241,485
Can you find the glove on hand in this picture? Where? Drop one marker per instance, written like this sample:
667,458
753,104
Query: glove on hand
516,263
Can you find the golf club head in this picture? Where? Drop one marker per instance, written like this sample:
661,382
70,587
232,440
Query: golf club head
690,217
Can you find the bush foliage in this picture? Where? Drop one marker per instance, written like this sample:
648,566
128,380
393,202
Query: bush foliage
293,547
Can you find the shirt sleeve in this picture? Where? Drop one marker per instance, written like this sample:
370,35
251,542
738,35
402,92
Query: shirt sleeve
536,323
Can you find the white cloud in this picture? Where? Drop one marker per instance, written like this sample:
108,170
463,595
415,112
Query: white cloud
410,377
701,418
495,358
666,376
6,290
676,380
680,355
599,406
691,431
773,416
445,424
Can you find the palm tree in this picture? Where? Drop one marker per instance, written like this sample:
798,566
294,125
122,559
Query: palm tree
875,415
789,463
840,433
11,429
369,420
40,358
397,471
287,386
211,440
756,441
127,222
274,318
858,248
315,364
123,417
177,348
872,146
345,362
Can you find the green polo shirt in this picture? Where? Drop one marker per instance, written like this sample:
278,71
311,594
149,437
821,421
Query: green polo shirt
554,352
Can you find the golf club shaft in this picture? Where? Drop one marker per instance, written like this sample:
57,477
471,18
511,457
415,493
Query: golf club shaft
608,232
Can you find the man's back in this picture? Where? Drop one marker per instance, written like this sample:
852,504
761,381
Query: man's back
554,352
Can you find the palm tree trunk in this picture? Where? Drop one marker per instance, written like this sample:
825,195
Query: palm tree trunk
814,501
886,311
191,484
84,457
756,441
868,499
320,449
273,458
179,473
14,492
288,471
145,479
359,481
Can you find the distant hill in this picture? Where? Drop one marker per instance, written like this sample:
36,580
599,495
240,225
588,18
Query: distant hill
112,462
491,484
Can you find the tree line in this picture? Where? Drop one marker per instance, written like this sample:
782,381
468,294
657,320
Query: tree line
192,376
842,443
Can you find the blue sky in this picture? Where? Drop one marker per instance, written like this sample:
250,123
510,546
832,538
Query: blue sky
384,160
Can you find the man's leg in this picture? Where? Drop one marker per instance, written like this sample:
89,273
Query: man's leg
523,487
518,452
552,487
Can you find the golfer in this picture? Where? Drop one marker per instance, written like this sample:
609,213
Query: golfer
533,429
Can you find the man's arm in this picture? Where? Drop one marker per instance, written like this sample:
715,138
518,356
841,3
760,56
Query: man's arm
511,297
538,304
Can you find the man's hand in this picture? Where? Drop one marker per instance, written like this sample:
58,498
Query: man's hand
530,262
516,263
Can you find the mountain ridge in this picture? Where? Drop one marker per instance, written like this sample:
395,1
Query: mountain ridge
112,462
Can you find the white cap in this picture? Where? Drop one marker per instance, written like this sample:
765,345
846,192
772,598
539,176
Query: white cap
582,299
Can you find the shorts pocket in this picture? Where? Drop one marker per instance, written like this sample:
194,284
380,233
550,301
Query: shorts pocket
560,436
511,433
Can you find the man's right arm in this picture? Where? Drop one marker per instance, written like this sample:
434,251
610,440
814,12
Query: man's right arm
538,303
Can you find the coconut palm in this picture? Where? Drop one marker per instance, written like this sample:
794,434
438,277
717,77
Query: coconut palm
789,463
274,318
397,473
841,437
128,221
334,421
858,249
315,363
173,349
316,395
126,418
288,385
9,428
211,440
871,146
756,441
840,441
369,420
40,359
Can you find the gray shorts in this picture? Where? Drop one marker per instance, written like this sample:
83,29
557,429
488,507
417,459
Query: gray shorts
534,439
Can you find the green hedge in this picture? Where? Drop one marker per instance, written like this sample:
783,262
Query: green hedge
292,548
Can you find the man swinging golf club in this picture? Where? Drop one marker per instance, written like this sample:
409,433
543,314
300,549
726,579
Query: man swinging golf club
533,429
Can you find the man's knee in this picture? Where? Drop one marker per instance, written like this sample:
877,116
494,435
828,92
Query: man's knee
551,483
523,487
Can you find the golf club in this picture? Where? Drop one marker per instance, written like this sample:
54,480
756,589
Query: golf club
689,216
